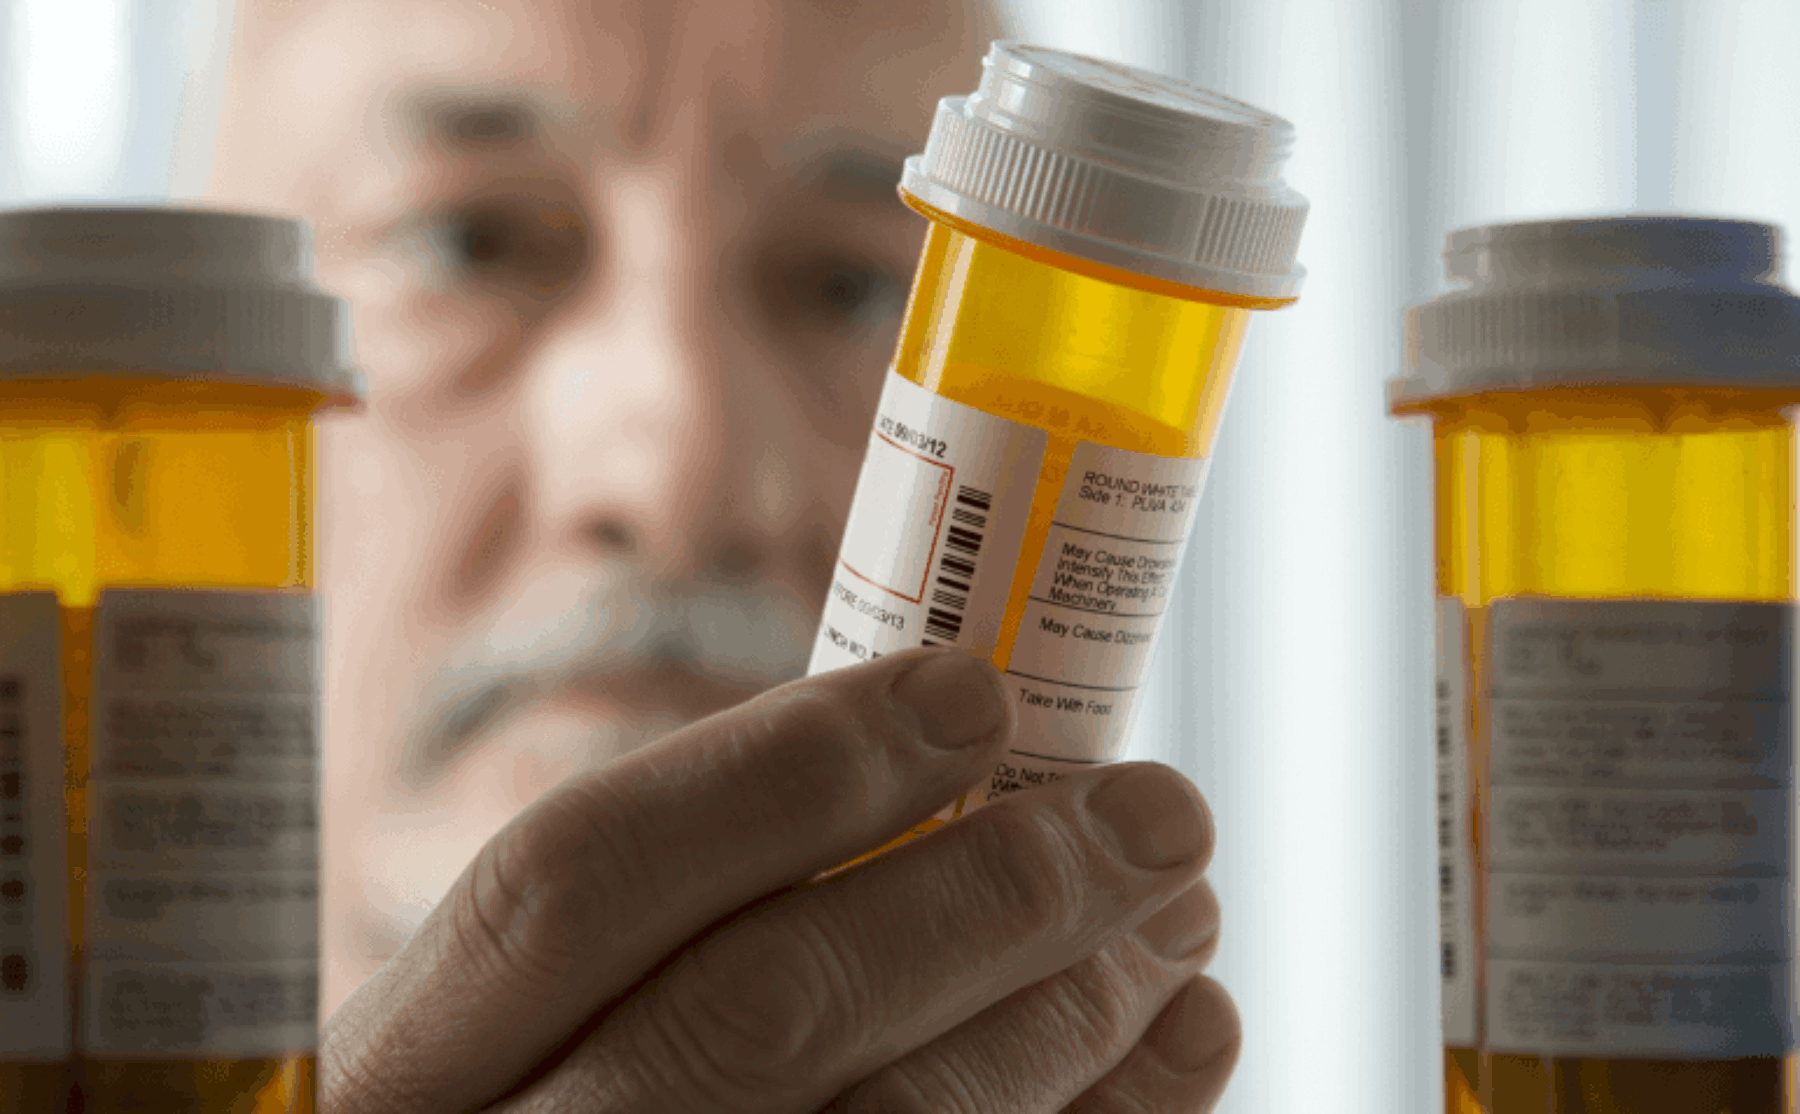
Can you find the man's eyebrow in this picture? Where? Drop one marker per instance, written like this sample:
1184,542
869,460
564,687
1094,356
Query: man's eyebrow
474,120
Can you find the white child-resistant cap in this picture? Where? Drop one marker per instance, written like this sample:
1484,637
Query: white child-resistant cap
187,293
1119,166
1650,301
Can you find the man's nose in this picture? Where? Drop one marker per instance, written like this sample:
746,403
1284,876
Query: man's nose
657,435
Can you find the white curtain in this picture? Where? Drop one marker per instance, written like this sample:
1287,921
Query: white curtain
108,99
1293,683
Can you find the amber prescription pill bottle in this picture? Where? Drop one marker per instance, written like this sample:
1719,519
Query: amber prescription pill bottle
159,658
1614,469
1099,237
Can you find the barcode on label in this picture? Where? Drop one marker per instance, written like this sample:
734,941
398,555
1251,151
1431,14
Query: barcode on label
14,787
18,967
956,566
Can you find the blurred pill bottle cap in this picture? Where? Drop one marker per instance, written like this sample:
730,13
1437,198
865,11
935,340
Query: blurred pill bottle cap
167,292
1619,301
1118,166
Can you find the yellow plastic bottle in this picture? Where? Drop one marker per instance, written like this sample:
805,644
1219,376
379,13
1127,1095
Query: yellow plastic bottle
1099,238
1614,459
159,373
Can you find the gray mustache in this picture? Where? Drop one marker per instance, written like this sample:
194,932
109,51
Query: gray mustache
753,637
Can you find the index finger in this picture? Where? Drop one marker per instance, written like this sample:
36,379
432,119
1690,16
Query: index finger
603,877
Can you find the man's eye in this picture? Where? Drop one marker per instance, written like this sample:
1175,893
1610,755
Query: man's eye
533,252
476,242
852,296
846,290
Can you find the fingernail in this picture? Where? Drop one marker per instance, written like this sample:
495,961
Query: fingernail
1181,927
1155,817
956,697
1196,1028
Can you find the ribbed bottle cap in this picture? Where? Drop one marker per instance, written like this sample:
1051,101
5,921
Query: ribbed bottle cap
1119,166
182,292
1654,301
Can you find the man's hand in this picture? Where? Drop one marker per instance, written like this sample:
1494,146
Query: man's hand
645,938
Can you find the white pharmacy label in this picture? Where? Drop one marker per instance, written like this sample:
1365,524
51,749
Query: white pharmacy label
934,530
1097,599
34,875
1640,828
1456,902
256,1010
202,916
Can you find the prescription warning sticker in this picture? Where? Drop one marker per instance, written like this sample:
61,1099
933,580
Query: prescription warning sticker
202,912
934,530
1103,581
1640,828
34,877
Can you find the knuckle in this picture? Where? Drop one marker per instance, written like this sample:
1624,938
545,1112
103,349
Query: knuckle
1093,1011
1109,1096
1099,1003
823,770
606,1078
829,710
354,1082
817,715
761,1012
1027,861
488,924
896,1089
542,894
813,728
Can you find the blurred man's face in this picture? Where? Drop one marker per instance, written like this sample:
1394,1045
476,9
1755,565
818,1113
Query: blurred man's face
624,278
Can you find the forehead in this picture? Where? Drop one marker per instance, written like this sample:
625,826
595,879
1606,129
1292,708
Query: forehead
759,80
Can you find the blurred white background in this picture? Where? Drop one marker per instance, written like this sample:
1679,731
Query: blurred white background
1293,684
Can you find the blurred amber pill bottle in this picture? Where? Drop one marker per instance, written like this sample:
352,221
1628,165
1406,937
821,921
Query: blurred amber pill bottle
1099,237
159,659
1614,465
